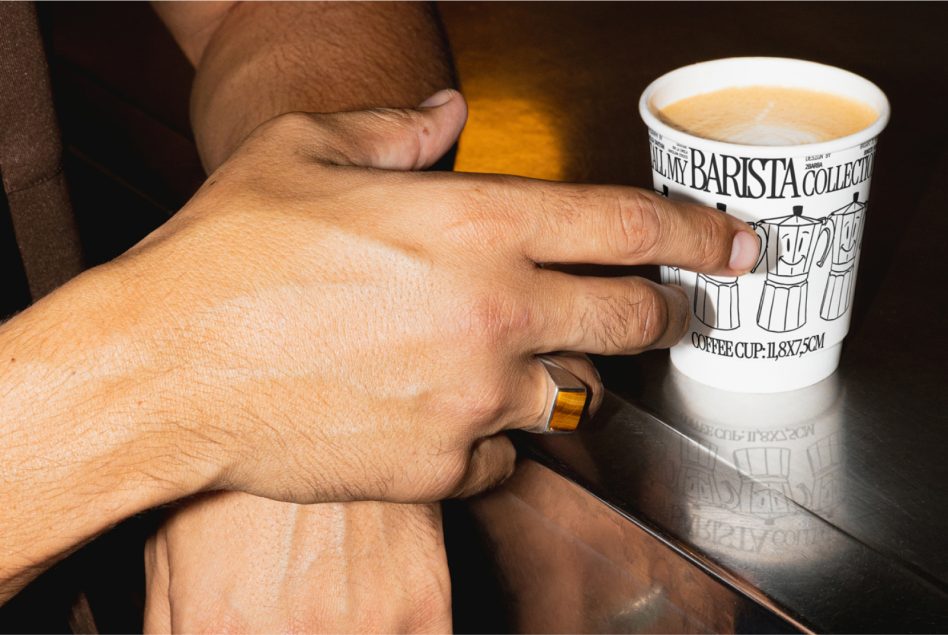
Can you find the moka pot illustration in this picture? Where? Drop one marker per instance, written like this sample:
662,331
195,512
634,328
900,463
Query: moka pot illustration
789,245
696,473
765,482
670,275
825,457
848,223
716,298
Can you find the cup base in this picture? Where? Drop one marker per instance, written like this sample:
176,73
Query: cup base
737,375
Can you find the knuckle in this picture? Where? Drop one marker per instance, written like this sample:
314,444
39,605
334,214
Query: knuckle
485,212
289,125
438,484
488,401
280,135
496,318
474,228
632,320
504,194
683,314
393,123
489,463
640,224
475,407
452,474
609,322
392,116
712,240
570,201
651,313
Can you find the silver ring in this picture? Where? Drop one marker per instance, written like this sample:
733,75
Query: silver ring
567,402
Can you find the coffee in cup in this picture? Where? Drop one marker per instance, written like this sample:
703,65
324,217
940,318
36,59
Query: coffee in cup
768,115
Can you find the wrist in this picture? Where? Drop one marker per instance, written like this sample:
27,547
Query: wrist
85,384
86,437
136,386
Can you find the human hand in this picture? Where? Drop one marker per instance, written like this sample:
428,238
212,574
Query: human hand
345,329
234,563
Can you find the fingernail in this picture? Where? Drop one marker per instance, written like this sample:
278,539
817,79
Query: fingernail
743,252
440,98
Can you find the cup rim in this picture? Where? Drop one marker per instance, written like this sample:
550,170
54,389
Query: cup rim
822,147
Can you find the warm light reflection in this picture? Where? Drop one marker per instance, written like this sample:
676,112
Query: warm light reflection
510,135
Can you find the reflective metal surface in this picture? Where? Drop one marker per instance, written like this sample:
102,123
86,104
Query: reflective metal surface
766,508
826,506
571,564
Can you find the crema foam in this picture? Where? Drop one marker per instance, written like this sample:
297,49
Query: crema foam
768,116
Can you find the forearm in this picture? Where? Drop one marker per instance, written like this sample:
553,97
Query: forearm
89,435
258,60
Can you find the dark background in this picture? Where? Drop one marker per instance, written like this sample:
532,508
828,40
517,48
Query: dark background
553,91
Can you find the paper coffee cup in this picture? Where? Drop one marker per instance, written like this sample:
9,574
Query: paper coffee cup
782,326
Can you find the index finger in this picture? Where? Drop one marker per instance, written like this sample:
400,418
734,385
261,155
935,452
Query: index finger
615,225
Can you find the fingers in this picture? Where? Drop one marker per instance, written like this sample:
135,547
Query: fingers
491,463
608,316
623,225
394,139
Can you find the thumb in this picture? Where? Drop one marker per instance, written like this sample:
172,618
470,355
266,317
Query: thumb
397,139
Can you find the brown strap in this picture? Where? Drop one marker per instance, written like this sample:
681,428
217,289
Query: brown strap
30,155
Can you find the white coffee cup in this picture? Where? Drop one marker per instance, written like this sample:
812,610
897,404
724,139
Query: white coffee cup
781,327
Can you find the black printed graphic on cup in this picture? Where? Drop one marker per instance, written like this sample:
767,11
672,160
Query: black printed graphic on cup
848,222
717,303
789,245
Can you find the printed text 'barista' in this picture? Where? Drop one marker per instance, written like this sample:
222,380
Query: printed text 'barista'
758,177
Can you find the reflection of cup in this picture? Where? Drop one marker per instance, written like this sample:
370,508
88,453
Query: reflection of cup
807,204
759,473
